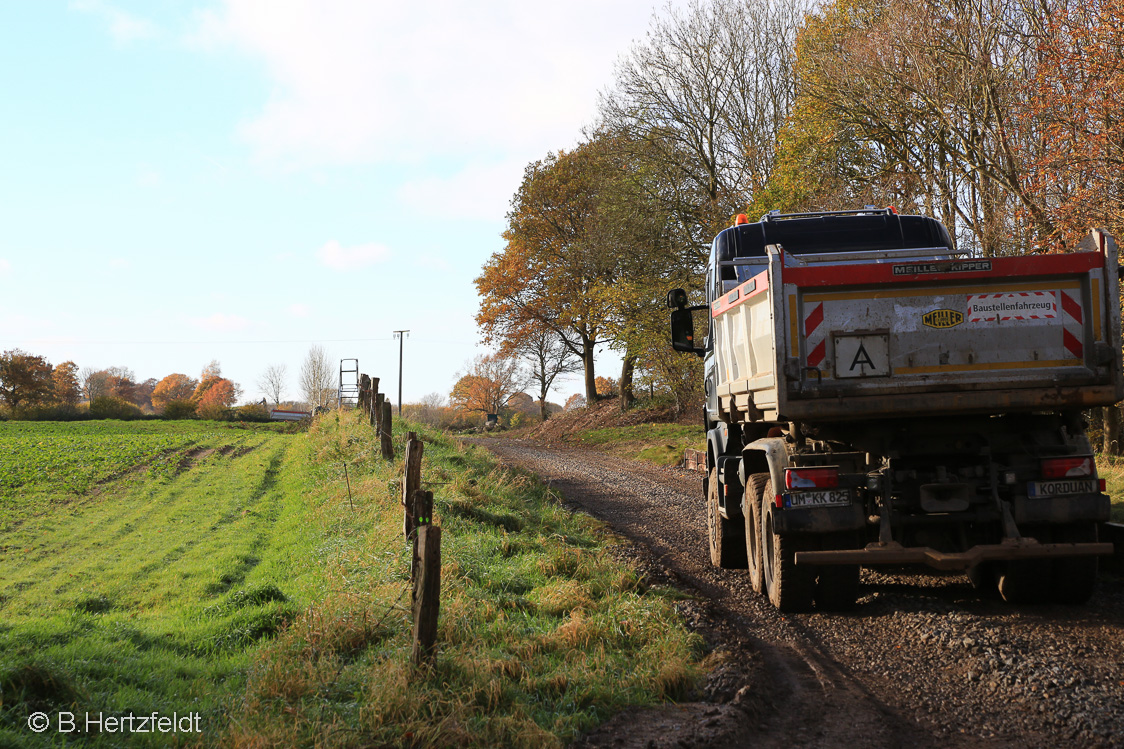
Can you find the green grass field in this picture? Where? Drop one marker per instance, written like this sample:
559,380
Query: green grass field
187,567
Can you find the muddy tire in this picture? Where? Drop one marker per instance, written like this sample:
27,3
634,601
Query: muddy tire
1074,578
727,542
751,508
837,586
983,577
1027,580
790,588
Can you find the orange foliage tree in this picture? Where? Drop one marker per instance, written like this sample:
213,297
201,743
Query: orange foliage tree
488,385
66,390
25,379
1076,98
174,387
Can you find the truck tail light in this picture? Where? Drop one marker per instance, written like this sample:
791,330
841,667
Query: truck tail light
811,478
1064,468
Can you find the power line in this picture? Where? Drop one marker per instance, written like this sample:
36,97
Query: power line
51,342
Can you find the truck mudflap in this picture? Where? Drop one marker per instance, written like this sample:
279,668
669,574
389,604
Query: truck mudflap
895,553
819,519
1062,509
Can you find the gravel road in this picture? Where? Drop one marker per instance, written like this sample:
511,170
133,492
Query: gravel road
922,661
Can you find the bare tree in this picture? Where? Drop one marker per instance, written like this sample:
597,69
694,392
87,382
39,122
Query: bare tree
549,357
706,94
272,383
316,380
95,383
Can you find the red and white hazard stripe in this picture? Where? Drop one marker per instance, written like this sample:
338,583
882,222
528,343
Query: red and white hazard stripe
815,335
1073,328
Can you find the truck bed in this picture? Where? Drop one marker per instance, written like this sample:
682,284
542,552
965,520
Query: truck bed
843,336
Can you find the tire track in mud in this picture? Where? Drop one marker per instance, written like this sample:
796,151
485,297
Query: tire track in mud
896,672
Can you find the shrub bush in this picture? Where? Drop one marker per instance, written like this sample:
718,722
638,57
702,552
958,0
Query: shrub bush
180,409
252,412
106,407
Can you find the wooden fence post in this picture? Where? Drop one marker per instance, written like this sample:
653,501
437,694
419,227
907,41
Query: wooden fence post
364,392
421,511
427,592
376,413
411,480
387,445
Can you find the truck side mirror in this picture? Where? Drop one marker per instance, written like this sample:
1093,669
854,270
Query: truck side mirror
676,298
683,330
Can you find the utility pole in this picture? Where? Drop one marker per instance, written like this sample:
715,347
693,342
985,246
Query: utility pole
400,334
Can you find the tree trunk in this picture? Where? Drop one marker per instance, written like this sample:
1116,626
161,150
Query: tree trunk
542,407
628,367
1111,430
590,375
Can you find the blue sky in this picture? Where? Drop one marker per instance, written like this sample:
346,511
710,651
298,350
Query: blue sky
239,179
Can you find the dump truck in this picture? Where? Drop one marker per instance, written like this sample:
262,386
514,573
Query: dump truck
874,397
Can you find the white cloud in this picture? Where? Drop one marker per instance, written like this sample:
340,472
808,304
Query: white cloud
219,321
5,267
123,26
119,263
299,310
338,257
479,191
359,80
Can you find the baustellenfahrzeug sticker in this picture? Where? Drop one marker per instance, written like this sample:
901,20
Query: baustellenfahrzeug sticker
1018,305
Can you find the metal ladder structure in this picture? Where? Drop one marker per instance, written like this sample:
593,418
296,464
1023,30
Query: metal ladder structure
347,396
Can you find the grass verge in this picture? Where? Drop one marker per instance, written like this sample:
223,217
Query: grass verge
542,634
662,444
1112,471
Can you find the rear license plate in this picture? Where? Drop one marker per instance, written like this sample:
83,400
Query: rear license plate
1061,487
824,498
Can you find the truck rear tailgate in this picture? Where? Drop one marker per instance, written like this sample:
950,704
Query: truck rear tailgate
912,336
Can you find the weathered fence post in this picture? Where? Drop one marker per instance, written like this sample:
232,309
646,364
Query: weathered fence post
385,432
364,392
421,512
427,591
411,480
376,413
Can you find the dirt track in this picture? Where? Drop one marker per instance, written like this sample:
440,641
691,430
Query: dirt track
922,661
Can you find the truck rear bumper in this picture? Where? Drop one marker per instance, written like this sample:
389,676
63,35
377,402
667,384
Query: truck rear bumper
895,553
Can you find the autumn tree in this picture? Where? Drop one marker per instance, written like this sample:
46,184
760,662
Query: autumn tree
1076,99
214,393
553,271
25,379
487,384
174,387
65,389
574,402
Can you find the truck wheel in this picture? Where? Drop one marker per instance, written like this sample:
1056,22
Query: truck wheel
982,576
727,545
751,508
837,587
1027,580
790,587
1074,578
